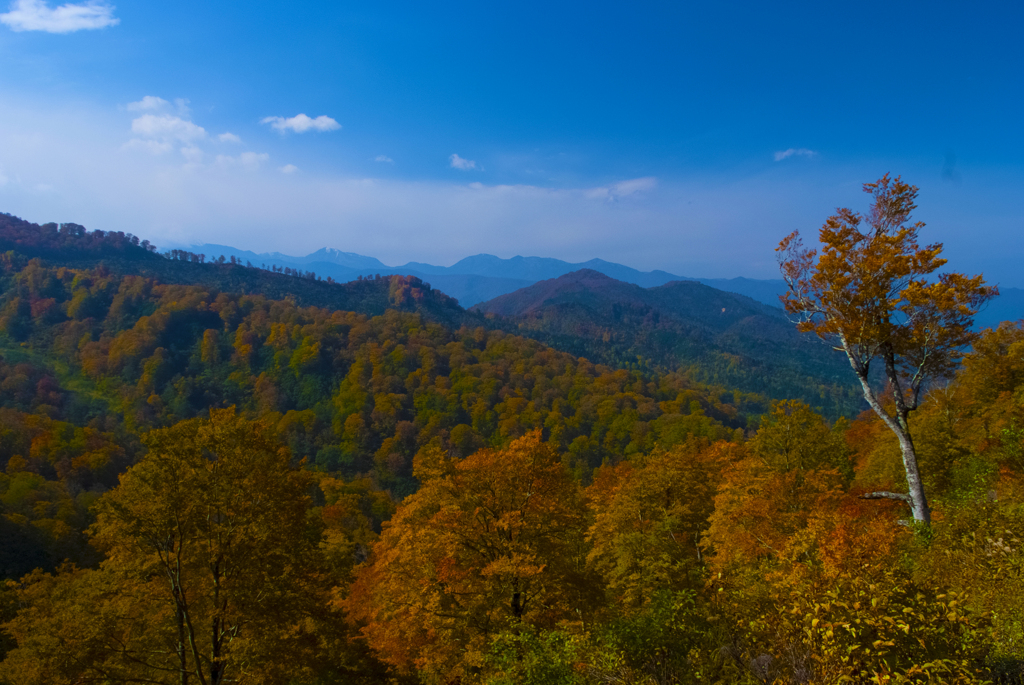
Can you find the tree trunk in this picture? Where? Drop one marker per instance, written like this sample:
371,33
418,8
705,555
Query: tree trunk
915,488
517,605
216,665
181,650
217,634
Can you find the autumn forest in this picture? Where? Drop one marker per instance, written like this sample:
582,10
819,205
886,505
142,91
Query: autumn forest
212,472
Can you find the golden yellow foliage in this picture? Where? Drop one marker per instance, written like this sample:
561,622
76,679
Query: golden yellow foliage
486,542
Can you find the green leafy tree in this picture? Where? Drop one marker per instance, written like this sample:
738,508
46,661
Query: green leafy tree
212,572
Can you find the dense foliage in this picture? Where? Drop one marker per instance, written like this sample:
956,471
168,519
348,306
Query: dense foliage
713,336
69,241
71,245
91,359
207,486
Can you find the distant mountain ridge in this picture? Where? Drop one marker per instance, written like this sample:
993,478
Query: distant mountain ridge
714,336
483,277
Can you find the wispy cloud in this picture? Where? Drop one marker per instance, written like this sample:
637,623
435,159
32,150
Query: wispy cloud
158,131
252,160
36,15
149,103
152,103
704,224
167,127
622,189
246,160
300,123
794,152
383,158
461,163
288,169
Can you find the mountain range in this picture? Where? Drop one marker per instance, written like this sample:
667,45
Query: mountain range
716,337
722,339
484,277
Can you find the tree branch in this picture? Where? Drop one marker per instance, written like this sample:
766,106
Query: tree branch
886,495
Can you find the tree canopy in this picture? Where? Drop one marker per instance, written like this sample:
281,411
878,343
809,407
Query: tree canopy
205,486
210,530
488,542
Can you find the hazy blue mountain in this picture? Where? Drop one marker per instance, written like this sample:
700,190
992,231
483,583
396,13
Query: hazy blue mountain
766,291
535,269
346,259
431,269
326,255
469,289
212,251
484,277
527,268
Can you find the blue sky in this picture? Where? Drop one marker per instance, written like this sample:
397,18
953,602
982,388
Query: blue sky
684,136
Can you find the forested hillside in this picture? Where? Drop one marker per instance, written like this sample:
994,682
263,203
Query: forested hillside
115,355
710,335
225,481
72,245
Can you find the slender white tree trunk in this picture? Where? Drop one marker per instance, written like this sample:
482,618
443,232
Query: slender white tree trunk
915,496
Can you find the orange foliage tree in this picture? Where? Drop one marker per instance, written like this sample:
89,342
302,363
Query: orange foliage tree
871,294
488,542
797,465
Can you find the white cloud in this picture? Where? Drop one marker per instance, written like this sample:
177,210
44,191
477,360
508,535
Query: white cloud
36,15
158,132
167,127
708,223
288,169
3,179
794,152
246,160
622,189
252,160
383,158
300,123
152,103
461,163
149,103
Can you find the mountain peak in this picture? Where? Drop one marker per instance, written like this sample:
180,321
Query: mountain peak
586,276
583,285
350,259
